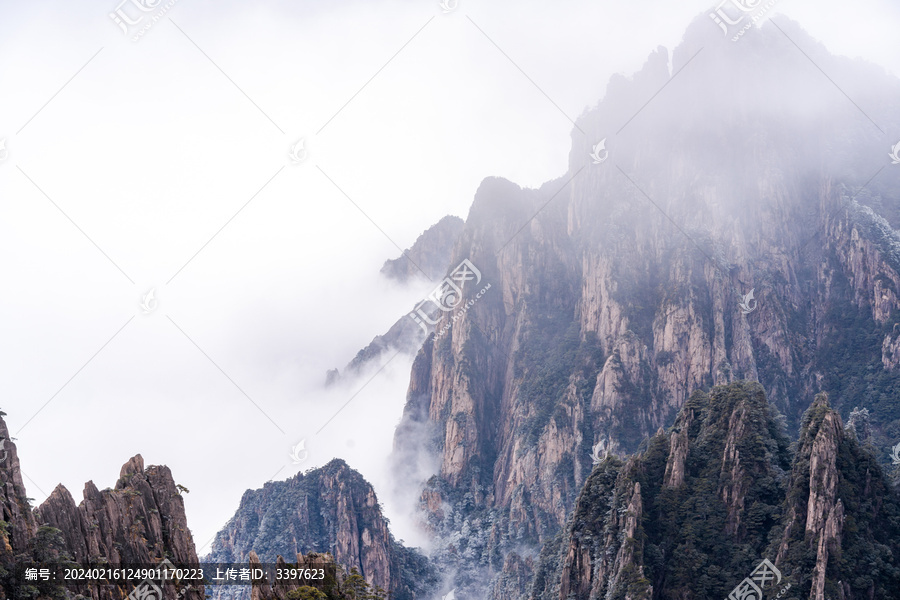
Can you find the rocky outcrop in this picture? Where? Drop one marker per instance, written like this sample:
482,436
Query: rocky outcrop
890,349
629,516
429,256
683,431
331,509
608,561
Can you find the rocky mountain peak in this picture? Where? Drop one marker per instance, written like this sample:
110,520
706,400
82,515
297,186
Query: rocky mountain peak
330,509
134,466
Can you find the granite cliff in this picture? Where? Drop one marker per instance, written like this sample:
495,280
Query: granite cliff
741,226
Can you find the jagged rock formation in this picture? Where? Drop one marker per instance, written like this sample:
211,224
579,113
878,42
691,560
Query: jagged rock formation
138,523
635,535
429,256
617,288
330,509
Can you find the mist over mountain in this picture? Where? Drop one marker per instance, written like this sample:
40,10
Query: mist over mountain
428,257
625,285
671,372
727,216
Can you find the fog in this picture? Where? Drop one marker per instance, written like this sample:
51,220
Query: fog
163,165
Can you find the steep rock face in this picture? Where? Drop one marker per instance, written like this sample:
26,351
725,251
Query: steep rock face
19,525
634,535
621,288
429,256
329,509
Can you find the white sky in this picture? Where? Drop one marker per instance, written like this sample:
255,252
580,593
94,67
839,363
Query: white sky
151,148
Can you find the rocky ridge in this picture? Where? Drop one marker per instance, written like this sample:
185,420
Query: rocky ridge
429,256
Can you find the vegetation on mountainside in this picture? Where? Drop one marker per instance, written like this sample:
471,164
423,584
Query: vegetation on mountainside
854,376
686,543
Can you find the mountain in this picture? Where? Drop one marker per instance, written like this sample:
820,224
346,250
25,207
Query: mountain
330,509
139,523
741,226
429,256
703,505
